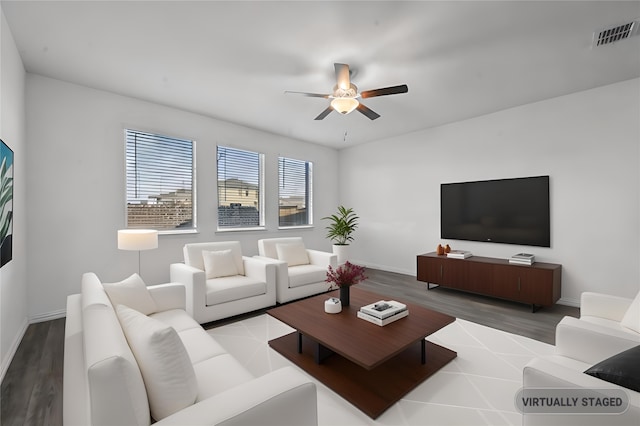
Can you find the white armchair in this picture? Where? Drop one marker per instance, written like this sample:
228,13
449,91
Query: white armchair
300,272
608,325
221,282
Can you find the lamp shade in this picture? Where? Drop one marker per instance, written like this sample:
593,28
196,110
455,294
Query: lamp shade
137,239
344,105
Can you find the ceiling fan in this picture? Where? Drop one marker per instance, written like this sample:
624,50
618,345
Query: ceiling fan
345,96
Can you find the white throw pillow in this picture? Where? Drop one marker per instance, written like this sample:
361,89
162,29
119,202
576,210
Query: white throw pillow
631,318
163,361
133,293
219,263
293,253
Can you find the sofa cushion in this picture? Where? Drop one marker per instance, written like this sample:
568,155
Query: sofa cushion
219,374
306,274
218,263
133,293
227,289
622,369
631,318
179,319
293,253
200,346
163,360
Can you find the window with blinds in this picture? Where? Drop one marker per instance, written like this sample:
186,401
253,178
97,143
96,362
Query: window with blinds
294,192
160,182
240,191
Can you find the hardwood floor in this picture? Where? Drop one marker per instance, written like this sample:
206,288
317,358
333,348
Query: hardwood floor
32,387
31,391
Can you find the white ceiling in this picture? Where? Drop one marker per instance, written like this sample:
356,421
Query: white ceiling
234,60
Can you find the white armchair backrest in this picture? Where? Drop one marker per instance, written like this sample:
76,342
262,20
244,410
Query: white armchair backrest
193,253
267,247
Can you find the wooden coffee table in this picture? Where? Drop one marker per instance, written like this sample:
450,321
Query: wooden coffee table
370,366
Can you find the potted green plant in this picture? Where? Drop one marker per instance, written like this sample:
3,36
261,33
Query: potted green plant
340,230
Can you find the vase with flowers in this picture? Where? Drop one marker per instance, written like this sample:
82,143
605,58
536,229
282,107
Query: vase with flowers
343,277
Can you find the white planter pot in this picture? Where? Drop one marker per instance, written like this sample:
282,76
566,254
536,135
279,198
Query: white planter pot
342,251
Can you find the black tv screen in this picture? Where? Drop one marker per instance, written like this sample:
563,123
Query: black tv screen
510,211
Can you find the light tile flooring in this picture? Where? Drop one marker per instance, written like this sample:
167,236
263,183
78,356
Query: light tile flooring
477,388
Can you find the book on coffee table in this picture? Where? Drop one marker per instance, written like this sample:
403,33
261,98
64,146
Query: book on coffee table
385,321
383,308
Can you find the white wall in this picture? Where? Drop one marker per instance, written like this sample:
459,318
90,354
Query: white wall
76,199
587,142
13,275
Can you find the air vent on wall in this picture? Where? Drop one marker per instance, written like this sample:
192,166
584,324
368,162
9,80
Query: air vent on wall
617,33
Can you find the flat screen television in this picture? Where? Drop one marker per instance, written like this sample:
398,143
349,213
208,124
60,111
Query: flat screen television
509,211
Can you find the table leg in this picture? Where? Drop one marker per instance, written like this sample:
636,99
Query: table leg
299,342
423,347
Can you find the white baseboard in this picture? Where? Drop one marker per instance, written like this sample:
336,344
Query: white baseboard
569,302
48,316
12,350
6,362
383,267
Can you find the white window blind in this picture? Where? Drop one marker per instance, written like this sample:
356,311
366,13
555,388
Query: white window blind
160,181
239,188
294,192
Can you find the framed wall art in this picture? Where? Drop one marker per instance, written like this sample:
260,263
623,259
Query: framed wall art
6,202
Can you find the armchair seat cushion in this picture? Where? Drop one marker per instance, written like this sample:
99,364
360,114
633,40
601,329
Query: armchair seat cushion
306,274
227,289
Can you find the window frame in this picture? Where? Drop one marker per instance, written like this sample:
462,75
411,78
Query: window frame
308,194
261,191
194,217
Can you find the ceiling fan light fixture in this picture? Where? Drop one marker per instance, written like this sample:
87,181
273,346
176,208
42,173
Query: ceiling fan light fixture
344,105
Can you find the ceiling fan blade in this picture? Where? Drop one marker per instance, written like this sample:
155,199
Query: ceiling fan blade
393,90
342,76
324,113
367,111
310,95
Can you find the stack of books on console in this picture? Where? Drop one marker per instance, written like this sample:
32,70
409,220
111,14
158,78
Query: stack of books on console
522,259
383,312
459,254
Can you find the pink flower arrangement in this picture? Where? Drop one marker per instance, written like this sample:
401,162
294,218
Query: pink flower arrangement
345,275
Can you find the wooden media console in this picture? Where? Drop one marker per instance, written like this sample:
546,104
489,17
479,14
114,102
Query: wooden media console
538,284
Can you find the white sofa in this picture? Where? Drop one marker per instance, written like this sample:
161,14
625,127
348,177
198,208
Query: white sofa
105,384
601,332
211,295
300,272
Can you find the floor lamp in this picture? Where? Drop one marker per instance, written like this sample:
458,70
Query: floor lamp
137,239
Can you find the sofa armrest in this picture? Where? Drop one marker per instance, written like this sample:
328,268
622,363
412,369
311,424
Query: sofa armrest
281,271
282,397
322,258
169,296
195,285
589,342
75,390
256,268
262,270
603,305
544,373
